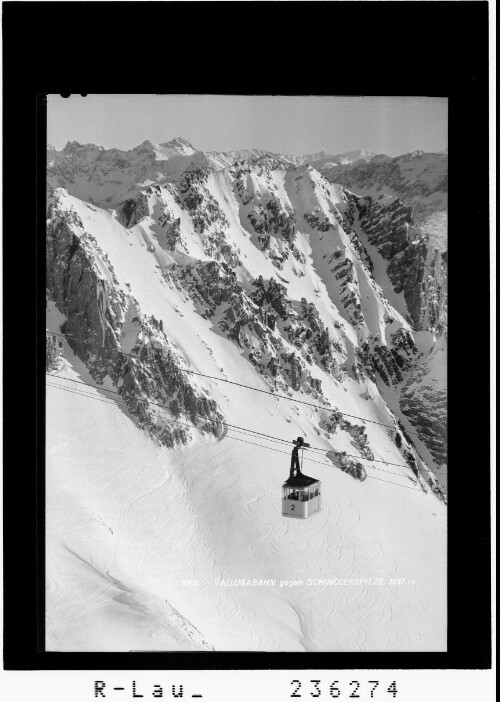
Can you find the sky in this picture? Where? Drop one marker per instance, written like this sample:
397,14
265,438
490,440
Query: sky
293,125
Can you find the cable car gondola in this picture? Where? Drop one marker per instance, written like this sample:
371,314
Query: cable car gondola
301,494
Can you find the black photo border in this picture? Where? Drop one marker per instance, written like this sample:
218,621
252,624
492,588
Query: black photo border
336,48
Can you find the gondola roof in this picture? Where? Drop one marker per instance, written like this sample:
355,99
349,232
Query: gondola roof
299,481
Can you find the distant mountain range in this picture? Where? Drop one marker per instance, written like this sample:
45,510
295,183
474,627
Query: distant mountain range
108,175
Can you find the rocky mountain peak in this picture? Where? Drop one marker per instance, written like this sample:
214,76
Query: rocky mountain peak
146,144
74,147
180,144
71,147
178,141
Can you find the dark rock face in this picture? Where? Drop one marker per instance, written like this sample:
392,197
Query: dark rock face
304,328
199,202
192,195
281,221
256,323
392,230
347,464
426,407
275,226
349,292
353,209
133,211
401,227
151,376
205,212
322,224
309,332
418,269
154,372
53,353
172,228
274,296
239,184
272,219
434,293
388,362
209,283
338,421
358,433
388,227
438,489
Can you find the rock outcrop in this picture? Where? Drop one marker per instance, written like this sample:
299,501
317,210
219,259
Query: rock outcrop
401,205
151,377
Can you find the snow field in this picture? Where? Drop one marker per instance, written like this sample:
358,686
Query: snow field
152,519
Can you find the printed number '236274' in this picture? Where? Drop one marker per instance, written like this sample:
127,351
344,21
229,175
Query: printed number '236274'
335,691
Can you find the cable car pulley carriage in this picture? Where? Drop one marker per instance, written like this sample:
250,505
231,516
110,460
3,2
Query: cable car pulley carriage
301,494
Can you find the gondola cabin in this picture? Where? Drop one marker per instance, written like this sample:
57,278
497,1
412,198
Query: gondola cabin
301,497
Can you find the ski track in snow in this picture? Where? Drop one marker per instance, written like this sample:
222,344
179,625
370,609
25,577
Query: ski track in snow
329,544
345,554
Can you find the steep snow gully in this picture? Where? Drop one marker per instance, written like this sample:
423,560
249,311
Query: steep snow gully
164,526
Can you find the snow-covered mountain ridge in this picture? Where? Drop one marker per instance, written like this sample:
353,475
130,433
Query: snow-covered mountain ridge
416,181
107,176
164,263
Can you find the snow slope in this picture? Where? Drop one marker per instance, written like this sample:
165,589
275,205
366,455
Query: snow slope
131,525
